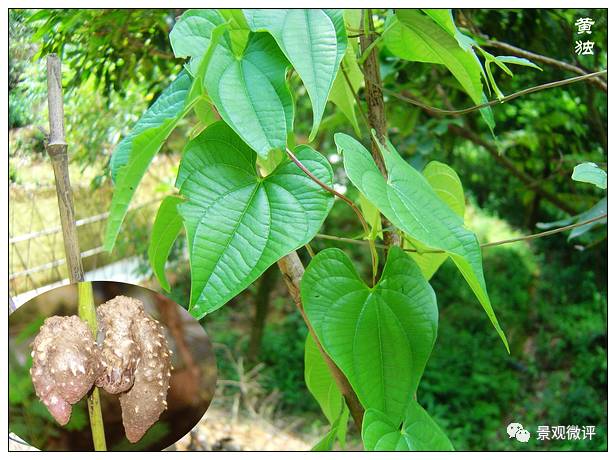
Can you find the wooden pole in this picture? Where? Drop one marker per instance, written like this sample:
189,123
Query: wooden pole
57,150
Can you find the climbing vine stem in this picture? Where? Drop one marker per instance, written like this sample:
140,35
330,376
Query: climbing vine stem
87,312
484,245
348,201
533,89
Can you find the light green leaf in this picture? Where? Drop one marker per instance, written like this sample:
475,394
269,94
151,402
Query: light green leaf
517,61
165,230
337,429
237,223
447,185
416,37
416,432
372,216
169,105
352,19
598,209
590,173
267,165
251,93
326,443
205,112
313,40
197,91
320,382
501,61
239,30
444,18
133,155
235,17
322,386
380,337
192,34
410,203
341,94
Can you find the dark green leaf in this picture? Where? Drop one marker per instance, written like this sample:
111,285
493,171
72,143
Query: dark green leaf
598,209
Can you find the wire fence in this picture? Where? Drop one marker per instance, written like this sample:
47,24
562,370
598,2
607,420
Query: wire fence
36,249
37,257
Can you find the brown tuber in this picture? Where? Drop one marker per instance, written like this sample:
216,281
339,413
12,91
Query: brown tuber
133,361
119,351
135,350
64,364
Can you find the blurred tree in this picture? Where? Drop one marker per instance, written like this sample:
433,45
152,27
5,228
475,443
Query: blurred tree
115,46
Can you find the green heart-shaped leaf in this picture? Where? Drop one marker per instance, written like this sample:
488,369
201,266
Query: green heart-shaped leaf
237,223
313,40
416,432
251,92
410,203
380,337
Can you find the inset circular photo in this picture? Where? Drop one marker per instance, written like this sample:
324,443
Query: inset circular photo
106,366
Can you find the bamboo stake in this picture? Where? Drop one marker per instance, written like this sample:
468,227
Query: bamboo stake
57,150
